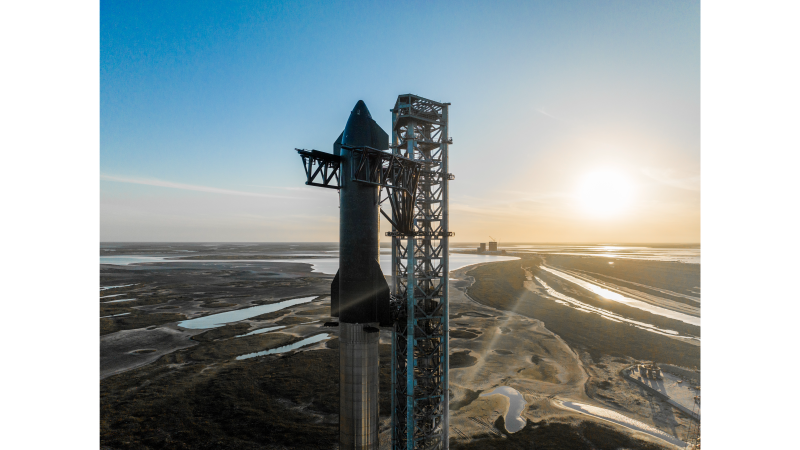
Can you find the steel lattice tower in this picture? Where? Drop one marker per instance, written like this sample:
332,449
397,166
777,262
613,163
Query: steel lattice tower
420,356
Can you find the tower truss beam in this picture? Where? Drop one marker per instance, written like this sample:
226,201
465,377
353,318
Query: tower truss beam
420,267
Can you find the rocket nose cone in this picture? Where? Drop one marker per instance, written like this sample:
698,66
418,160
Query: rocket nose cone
361,109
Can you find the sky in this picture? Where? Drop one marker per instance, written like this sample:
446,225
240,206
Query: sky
571,121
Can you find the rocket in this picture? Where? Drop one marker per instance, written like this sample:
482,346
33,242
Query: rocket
359,292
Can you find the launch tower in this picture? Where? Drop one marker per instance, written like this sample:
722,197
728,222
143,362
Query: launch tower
420,356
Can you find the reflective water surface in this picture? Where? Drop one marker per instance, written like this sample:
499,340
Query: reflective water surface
120,300
287,348
513,418
217,320
105,288
611,295
328,265
687,255
564,299
114,315
261,330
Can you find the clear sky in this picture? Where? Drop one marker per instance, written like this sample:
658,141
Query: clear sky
571,121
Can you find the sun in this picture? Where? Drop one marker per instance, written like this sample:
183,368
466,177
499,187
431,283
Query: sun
604,193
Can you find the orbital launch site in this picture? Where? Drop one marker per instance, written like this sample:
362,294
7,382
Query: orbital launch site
399,227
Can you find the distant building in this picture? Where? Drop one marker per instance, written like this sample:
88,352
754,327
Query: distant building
492,246
482,248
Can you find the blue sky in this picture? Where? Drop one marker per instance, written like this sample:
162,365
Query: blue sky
202,104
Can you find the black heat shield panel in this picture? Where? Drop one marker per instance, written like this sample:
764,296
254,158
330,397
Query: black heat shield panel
382,296
374,306
335,295
377,139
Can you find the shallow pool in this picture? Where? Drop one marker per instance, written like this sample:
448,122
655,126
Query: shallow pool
217,320
120,300
513,418
114,315
261,330
105,288
287,348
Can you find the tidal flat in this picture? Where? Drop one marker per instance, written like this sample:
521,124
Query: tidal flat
167,386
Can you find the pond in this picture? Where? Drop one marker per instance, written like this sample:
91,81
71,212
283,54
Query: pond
287,348
513,418
217,320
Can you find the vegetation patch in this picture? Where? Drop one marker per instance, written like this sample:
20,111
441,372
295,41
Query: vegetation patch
273,315
225,332
542,372
604,385
469,397
462,359
136,320
292,320
463,334
230,348
218,305
315,312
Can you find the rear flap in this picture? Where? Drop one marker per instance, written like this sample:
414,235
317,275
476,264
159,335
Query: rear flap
382,296
335,295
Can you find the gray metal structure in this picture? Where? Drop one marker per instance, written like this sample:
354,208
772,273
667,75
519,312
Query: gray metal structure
420,353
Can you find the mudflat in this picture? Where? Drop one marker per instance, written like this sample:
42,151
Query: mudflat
165,386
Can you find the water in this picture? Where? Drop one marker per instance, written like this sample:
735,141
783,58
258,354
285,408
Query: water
605,313
126,260
287,348
122,300
457,261
261,330
690,255
112,295
217,320
638,304
513,418
326,265
105,288
615,417
114,315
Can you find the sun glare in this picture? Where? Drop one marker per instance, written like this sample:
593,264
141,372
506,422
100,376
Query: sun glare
604,193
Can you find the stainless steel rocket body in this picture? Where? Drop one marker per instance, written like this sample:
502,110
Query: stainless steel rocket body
358,387
359,283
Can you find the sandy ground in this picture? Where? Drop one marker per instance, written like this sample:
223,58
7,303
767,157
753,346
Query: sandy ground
559,373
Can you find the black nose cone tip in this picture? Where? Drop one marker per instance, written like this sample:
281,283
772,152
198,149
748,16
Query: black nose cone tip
361,109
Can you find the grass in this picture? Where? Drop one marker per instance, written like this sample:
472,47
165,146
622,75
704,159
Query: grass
181,402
